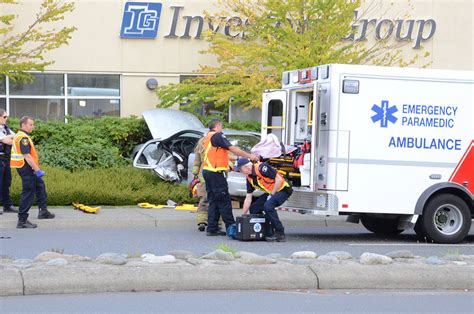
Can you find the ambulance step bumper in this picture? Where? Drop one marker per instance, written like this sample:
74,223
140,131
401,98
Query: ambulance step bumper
312,202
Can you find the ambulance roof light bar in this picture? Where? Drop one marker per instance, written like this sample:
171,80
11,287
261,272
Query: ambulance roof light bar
302,76
324,72
295,77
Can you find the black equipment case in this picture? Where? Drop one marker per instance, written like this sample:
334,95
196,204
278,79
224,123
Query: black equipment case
251,227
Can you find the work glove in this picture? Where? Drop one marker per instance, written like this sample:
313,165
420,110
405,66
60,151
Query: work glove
40,173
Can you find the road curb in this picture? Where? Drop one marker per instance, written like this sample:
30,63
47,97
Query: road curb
92,278
395,276
102,278
11,282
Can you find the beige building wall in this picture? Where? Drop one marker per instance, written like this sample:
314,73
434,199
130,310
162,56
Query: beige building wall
96,46
450,47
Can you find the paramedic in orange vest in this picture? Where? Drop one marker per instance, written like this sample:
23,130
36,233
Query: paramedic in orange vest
215,168
276,191
24,158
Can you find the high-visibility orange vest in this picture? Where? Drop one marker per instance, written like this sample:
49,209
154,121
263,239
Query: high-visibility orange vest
215,158
264,183
17,159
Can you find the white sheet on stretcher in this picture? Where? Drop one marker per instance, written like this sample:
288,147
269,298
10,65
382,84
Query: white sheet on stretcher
270,147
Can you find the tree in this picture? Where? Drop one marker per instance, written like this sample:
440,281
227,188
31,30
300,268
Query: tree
278,35
24,50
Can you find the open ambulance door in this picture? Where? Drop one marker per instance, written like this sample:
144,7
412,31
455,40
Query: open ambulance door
321,136
274,112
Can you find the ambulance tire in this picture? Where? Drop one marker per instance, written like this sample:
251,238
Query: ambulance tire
446,219
381,226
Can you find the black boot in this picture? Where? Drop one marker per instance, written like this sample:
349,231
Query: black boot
45,214
278,236
10,209
22,224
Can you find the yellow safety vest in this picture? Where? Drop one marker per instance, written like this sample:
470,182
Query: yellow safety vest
264,183
215,158
17,159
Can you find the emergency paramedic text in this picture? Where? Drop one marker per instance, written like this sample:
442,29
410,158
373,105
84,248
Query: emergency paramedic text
445,121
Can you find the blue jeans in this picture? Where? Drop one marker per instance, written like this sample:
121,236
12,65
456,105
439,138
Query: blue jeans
5,182
268,207
31,185
219,200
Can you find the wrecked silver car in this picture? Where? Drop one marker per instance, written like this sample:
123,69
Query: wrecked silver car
170,154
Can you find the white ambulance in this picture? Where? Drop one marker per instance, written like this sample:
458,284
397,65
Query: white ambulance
390,147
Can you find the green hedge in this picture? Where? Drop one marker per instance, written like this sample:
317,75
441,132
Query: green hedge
86,160
87,143
254,126
113,186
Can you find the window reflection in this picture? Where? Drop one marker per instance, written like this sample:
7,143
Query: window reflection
43,109
3,85
93,85
42,85
26,98
93,107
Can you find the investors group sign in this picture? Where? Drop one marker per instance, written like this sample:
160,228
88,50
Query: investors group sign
142,19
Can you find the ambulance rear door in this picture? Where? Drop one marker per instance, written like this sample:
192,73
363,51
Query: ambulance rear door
274,112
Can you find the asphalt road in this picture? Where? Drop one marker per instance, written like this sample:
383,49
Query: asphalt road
184,236
246,302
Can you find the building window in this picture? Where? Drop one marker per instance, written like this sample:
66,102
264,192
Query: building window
45,98
93,107
43,109
42,85
93,85
3,85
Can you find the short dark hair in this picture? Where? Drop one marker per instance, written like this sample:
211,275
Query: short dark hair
25,119
213,123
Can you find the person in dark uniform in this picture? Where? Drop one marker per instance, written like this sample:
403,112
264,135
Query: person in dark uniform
276,190
215,168
6,140
24,158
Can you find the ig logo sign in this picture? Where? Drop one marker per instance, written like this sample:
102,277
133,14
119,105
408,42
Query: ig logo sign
140,20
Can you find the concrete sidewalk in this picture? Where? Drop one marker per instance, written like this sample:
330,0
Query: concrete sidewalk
136,217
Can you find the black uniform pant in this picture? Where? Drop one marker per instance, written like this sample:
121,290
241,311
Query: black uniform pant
219,200
268,206
31,185
5,182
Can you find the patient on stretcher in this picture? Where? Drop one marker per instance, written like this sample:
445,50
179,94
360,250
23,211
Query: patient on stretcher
293,162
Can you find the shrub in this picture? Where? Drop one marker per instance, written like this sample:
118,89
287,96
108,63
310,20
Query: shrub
254,126
86,143
113,186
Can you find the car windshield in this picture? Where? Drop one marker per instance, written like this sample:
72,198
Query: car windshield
245,142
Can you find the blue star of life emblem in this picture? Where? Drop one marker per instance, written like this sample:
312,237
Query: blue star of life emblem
384,113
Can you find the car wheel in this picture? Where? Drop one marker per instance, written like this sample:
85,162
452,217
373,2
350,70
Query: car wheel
446,219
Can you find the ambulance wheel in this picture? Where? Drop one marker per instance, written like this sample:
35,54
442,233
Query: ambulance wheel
446,219
381,226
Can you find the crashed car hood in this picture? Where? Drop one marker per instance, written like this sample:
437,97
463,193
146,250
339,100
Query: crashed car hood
164,123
